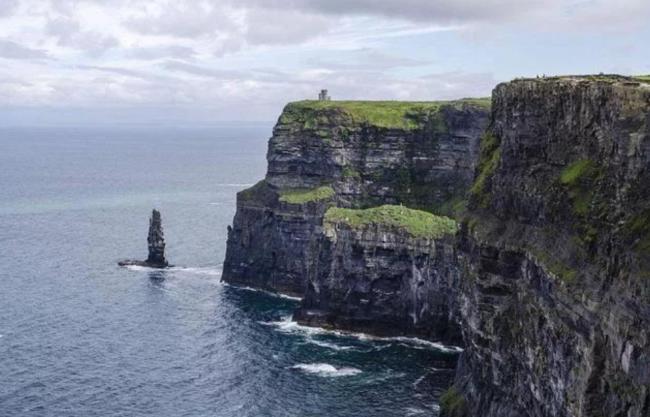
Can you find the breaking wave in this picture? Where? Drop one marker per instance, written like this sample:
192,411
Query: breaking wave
326,370
287,325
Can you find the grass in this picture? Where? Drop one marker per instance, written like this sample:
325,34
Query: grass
249,193
579,178
305,195
606,78
572,173
349,172
416,222
564,272
453,404
387,114
487,165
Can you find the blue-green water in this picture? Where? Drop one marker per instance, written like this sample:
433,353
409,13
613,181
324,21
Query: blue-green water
82,337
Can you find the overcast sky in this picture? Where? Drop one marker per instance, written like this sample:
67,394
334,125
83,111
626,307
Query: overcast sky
185,61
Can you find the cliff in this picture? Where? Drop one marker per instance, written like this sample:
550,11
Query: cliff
388,270
555,299
547,278
351,155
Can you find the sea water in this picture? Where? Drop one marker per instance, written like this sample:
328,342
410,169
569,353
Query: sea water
80,336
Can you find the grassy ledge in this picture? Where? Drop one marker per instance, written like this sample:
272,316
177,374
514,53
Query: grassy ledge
487,165
579,179
572,173
416,222
302,195
387,114
453,404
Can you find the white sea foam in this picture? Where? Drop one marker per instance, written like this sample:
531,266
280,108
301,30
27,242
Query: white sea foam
410,411
287,325
138,268
326,370
328,345
274,294
420,379
212,271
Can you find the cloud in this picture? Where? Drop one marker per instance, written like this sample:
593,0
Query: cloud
184,19
68,33
284,26
365,58
433,11
7,7
247,58
116,70
200,71
161,52
13,50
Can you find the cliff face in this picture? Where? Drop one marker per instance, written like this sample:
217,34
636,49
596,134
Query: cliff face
548,277
373,153
381,277
555,297
347,154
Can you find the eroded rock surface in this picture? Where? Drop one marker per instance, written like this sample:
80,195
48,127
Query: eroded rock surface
366,154
155,243
555,302
381,279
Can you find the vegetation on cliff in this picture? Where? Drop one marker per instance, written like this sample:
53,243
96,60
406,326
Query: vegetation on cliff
416,222
453,404
406,115
302,195
487,164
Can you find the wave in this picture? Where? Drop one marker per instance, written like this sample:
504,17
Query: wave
287,325
411,411
212,271
328,345
426,343
326,370
271,293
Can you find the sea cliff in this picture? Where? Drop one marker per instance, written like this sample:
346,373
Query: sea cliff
542,277
555,298
350,155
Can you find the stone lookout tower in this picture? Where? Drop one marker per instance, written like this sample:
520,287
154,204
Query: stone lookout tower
323,96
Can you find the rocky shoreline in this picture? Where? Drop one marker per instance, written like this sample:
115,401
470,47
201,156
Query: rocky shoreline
544,277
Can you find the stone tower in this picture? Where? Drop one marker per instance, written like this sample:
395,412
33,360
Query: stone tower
323,96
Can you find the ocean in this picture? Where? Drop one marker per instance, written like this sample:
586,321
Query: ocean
80,336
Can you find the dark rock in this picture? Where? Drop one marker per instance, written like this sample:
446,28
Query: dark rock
555,302
156,245
384,281
426,163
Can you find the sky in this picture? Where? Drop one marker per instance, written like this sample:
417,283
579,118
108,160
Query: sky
213,61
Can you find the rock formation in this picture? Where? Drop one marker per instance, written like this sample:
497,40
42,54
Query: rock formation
555,301
388,270
156,245
348,154
547,278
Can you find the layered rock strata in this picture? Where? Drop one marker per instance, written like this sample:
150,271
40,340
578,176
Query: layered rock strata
155,244
347,154
383,275
555,298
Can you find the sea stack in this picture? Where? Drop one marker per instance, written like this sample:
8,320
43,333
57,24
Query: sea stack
156,244
156,241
